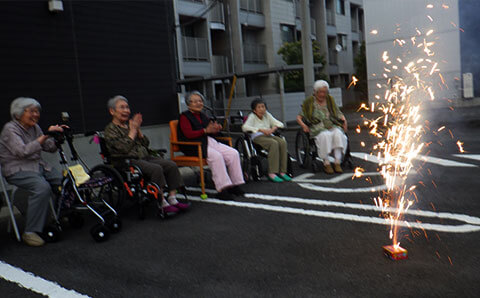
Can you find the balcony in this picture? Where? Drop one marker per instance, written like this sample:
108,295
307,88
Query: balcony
217,17
330,17
254,6
195,48
220,65
190,7
254,53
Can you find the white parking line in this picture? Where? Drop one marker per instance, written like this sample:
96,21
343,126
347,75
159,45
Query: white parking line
473,223
429,159
34,283
306,177
469,156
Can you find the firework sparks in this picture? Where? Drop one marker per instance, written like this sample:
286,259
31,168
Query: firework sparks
354,82
460,146
358,172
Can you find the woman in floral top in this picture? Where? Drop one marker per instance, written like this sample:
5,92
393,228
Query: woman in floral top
321,117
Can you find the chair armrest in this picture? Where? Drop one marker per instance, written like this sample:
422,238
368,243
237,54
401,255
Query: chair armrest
186,143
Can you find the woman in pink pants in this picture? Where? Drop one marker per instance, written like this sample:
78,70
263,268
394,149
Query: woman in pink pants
223,160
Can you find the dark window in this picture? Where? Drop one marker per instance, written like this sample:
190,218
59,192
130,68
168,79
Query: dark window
287,33
340,7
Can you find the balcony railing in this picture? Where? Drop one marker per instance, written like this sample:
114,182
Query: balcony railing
195,48
220,64
254,53
251,6
330,17
332,57
217,15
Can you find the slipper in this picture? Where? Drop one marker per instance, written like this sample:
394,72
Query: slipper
286,177
276,179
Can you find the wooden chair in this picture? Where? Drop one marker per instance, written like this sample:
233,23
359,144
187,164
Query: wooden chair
190,161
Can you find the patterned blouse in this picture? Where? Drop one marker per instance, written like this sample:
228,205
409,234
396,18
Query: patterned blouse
322,114
120,145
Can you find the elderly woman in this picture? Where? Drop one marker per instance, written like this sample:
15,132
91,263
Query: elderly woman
124,139
224,161
326,124
262,125
21,144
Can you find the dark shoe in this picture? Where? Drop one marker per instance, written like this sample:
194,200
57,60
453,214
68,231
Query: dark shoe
236,190
182,206
32,239
328,169
226,195
170,210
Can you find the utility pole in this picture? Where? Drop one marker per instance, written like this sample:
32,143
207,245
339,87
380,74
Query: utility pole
308,75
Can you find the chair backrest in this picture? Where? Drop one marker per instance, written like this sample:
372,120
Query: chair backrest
104,150
173,136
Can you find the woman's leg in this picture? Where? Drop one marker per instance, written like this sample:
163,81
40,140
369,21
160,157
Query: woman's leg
270,144
230,160
338,143
283,153
216,163
152,171
170,171
323,141
38,201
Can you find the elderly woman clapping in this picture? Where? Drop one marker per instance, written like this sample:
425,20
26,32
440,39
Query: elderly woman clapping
21,144
321,117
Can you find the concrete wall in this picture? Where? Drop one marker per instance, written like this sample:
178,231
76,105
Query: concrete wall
399,19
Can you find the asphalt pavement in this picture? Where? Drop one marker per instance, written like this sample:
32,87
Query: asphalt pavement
314,237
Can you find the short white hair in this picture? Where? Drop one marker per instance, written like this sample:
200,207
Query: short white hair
188,96
320,84
112,102
18,106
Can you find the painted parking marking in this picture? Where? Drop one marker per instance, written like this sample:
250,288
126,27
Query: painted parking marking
469,156
429,159
305,181
306,178
464,228
34,283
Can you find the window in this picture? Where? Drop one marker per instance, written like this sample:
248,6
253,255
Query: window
287,33
342,40
340,7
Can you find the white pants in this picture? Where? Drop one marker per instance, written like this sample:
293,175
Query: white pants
328,140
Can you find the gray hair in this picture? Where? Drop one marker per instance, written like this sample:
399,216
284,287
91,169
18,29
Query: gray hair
320,84
18,106
112,102
189,95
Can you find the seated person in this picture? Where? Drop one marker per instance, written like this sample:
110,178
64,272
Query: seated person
261,125
223,160
21,144
326,124
124,139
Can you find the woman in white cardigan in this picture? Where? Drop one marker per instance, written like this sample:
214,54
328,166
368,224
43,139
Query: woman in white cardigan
261,125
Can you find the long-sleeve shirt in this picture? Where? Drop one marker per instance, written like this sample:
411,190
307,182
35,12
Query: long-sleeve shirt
120,145
187,129
21,151
253,123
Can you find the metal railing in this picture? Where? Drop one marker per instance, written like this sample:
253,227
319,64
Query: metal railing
330,17
217,14
332,57
254,53
251,6
220,64
195,48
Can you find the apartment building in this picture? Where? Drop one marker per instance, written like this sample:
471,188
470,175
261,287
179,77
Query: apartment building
216,37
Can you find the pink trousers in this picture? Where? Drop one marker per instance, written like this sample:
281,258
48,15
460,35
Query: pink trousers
224,162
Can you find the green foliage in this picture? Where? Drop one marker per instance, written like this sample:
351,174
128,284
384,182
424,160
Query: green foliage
291,53
360,62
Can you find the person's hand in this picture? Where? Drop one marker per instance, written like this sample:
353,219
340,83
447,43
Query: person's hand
218,126
211,128
266,132
57,127
136,122
305,128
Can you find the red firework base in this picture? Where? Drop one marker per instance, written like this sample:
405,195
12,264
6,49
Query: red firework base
395,254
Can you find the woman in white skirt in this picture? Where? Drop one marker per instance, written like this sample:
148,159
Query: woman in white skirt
326,124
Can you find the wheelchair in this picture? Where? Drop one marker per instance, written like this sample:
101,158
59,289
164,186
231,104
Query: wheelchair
133,185
307,156
253,158
80,192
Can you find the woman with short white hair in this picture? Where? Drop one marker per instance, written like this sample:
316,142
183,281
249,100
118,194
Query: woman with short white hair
321,117
21,144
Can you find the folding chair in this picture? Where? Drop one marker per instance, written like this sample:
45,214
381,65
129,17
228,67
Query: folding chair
9,202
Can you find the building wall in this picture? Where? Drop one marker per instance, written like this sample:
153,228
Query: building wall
470,40
400,19
75,60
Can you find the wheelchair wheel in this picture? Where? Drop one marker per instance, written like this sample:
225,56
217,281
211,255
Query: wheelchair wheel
302,149
244,158
113,192
52,233
100,233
